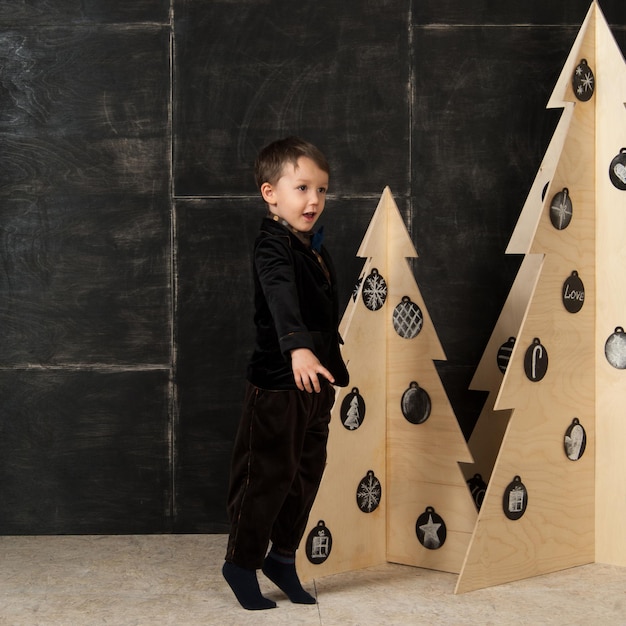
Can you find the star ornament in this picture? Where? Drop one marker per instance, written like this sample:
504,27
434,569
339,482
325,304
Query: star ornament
430,529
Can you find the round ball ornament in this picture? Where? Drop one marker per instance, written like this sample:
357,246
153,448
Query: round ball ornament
319,544
575,440
431,529
583,81
374,291
504,354
536,361
415,404
615,349
515,499
573,293
407,319
352,410
369,493
478,488
617,170
561,209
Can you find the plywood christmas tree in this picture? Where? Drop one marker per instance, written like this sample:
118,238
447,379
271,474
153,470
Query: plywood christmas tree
392,489
554,499
486,437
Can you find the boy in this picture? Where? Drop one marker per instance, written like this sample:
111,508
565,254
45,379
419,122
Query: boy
280,447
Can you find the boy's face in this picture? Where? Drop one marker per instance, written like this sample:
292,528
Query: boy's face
298,196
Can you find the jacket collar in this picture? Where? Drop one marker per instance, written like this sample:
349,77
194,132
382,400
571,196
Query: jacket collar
304,238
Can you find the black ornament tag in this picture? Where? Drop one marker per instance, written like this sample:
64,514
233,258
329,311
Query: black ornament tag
369,493
504,354
374,291
407,319
477,487
583,81
536,361
575,440
615,349
617,170
573,293
515,499
415,404
319,543
352,410
430,529
561,209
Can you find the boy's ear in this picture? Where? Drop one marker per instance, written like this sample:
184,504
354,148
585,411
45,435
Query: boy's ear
267,191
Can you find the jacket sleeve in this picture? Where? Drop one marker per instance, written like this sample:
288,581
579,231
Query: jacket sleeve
275,269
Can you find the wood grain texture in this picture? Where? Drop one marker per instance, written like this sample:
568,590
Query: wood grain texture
85,228
532,12
611,301
557,529
55,12
84,452
249,72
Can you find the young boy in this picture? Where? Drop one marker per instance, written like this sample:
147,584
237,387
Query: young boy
280,447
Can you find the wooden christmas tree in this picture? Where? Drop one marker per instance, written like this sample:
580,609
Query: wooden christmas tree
392,489
556,497
487,435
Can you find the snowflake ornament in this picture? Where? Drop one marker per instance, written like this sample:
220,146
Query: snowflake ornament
369,493
374,291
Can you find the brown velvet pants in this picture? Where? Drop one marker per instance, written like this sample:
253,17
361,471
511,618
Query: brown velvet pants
278,461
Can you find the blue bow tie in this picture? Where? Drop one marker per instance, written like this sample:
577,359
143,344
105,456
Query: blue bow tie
317,239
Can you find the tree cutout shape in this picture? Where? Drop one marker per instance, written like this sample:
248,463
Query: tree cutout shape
579,397
411,467
487,435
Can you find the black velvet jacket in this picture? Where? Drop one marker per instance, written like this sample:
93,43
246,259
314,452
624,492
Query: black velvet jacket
295,307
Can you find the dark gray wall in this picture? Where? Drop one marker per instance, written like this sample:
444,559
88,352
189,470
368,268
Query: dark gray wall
128,211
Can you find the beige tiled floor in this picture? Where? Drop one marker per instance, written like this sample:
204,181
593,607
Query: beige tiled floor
176,579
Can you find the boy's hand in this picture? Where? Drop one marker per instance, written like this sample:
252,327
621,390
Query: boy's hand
306,367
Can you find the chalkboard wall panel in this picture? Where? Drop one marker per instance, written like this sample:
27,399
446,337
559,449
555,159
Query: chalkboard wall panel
249,71
98,431
84,452
215,336
84,181
487,124
536,12
85,280
14,13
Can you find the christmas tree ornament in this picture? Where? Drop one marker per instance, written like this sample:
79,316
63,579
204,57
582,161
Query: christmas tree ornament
575,440
352,410
515,499
415,404
369,493
561,209
374,292
407,319
477,487
573,294
536,361
583,81
431,529
615,349
504,354
617,170
319,543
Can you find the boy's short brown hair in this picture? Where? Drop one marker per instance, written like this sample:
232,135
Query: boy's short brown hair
271,160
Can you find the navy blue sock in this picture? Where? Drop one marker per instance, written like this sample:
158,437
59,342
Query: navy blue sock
281,570
245,586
